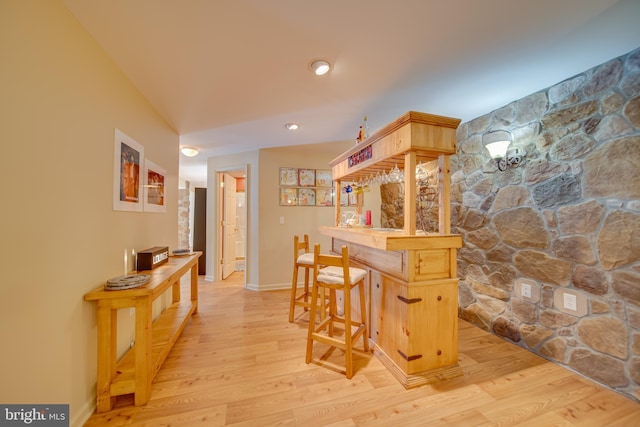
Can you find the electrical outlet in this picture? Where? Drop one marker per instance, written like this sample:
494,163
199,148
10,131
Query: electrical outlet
526,290
570,302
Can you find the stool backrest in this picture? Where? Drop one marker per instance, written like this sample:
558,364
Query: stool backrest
300,246
324,260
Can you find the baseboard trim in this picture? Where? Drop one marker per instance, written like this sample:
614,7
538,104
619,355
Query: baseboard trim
86,411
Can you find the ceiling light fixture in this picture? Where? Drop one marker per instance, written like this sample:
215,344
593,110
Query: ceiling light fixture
292,126
189,151
320,67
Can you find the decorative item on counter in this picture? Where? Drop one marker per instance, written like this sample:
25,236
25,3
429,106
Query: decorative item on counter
129,281
367,215
348,219
152,258
360,137
182,252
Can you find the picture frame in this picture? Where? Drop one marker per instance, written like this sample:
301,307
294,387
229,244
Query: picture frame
324,178
154,188
288,197
289,177
306,197
324,197
128,165
306,177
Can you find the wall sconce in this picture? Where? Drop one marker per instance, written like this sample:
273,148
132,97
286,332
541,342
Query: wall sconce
497,143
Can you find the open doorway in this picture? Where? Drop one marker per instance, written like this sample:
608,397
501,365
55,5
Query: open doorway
232,232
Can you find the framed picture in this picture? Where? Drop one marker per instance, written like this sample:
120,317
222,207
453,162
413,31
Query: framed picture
289,177
324,197
127,174
306,177
154,175
323,178
306,197
288,197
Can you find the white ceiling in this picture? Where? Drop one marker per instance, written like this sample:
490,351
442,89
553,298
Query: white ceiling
228,75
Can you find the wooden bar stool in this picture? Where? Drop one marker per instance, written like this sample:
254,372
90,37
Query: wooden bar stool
336,275
300,260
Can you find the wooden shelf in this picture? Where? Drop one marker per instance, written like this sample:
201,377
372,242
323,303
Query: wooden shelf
135,371
166,330
427,136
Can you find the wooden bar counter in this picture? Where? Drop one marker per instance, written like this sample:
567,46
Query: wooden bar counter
412,277
135,371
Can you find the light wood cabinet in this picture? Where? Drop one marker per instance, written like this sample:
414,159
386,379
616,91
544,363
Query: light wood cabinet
412,286
415,325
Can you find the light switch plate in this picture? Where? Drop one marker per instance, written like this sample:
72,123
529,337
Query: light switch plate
526,290
570,302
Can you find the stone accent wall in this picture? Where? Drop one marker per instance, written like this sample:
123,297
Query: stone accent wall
565,222
427,210
184,227
392,205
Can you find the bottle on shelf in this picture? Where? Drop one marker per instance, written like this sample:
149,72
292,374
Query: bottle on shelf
365,128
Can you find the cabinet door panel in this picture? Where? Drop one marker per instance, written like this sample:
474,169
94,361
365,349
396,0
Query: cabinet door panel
394,333
375,305
433,326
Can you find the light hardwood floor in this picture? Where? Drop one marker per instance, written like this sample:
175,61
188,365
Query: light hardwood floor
241,363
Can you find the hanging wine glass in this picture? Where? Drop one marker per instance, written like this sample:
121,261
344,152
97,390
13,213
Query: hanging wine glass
385,177
396,175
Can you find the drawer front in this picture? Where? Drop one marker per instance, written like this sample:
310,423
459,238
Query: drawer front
433,264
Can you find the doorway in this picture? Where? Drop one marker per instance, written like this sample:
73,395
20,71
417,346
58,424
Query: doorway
232,232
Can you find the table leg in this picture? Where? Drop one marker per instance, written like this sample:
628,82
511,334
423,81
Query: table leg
194,287
107,327
143,350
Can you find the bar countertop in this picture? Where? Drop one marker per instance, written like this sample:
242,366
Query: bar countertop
392,239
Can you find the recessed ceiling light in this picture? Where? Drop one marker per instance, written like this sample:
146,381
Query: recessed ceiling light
292,126
189,151
320,67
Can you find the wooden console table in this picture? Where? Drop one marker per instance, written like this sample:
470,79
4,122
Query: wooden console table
154,339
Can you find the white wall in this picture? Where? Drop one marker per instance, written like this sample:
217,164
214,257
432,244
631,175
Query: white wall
269,243
62,98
